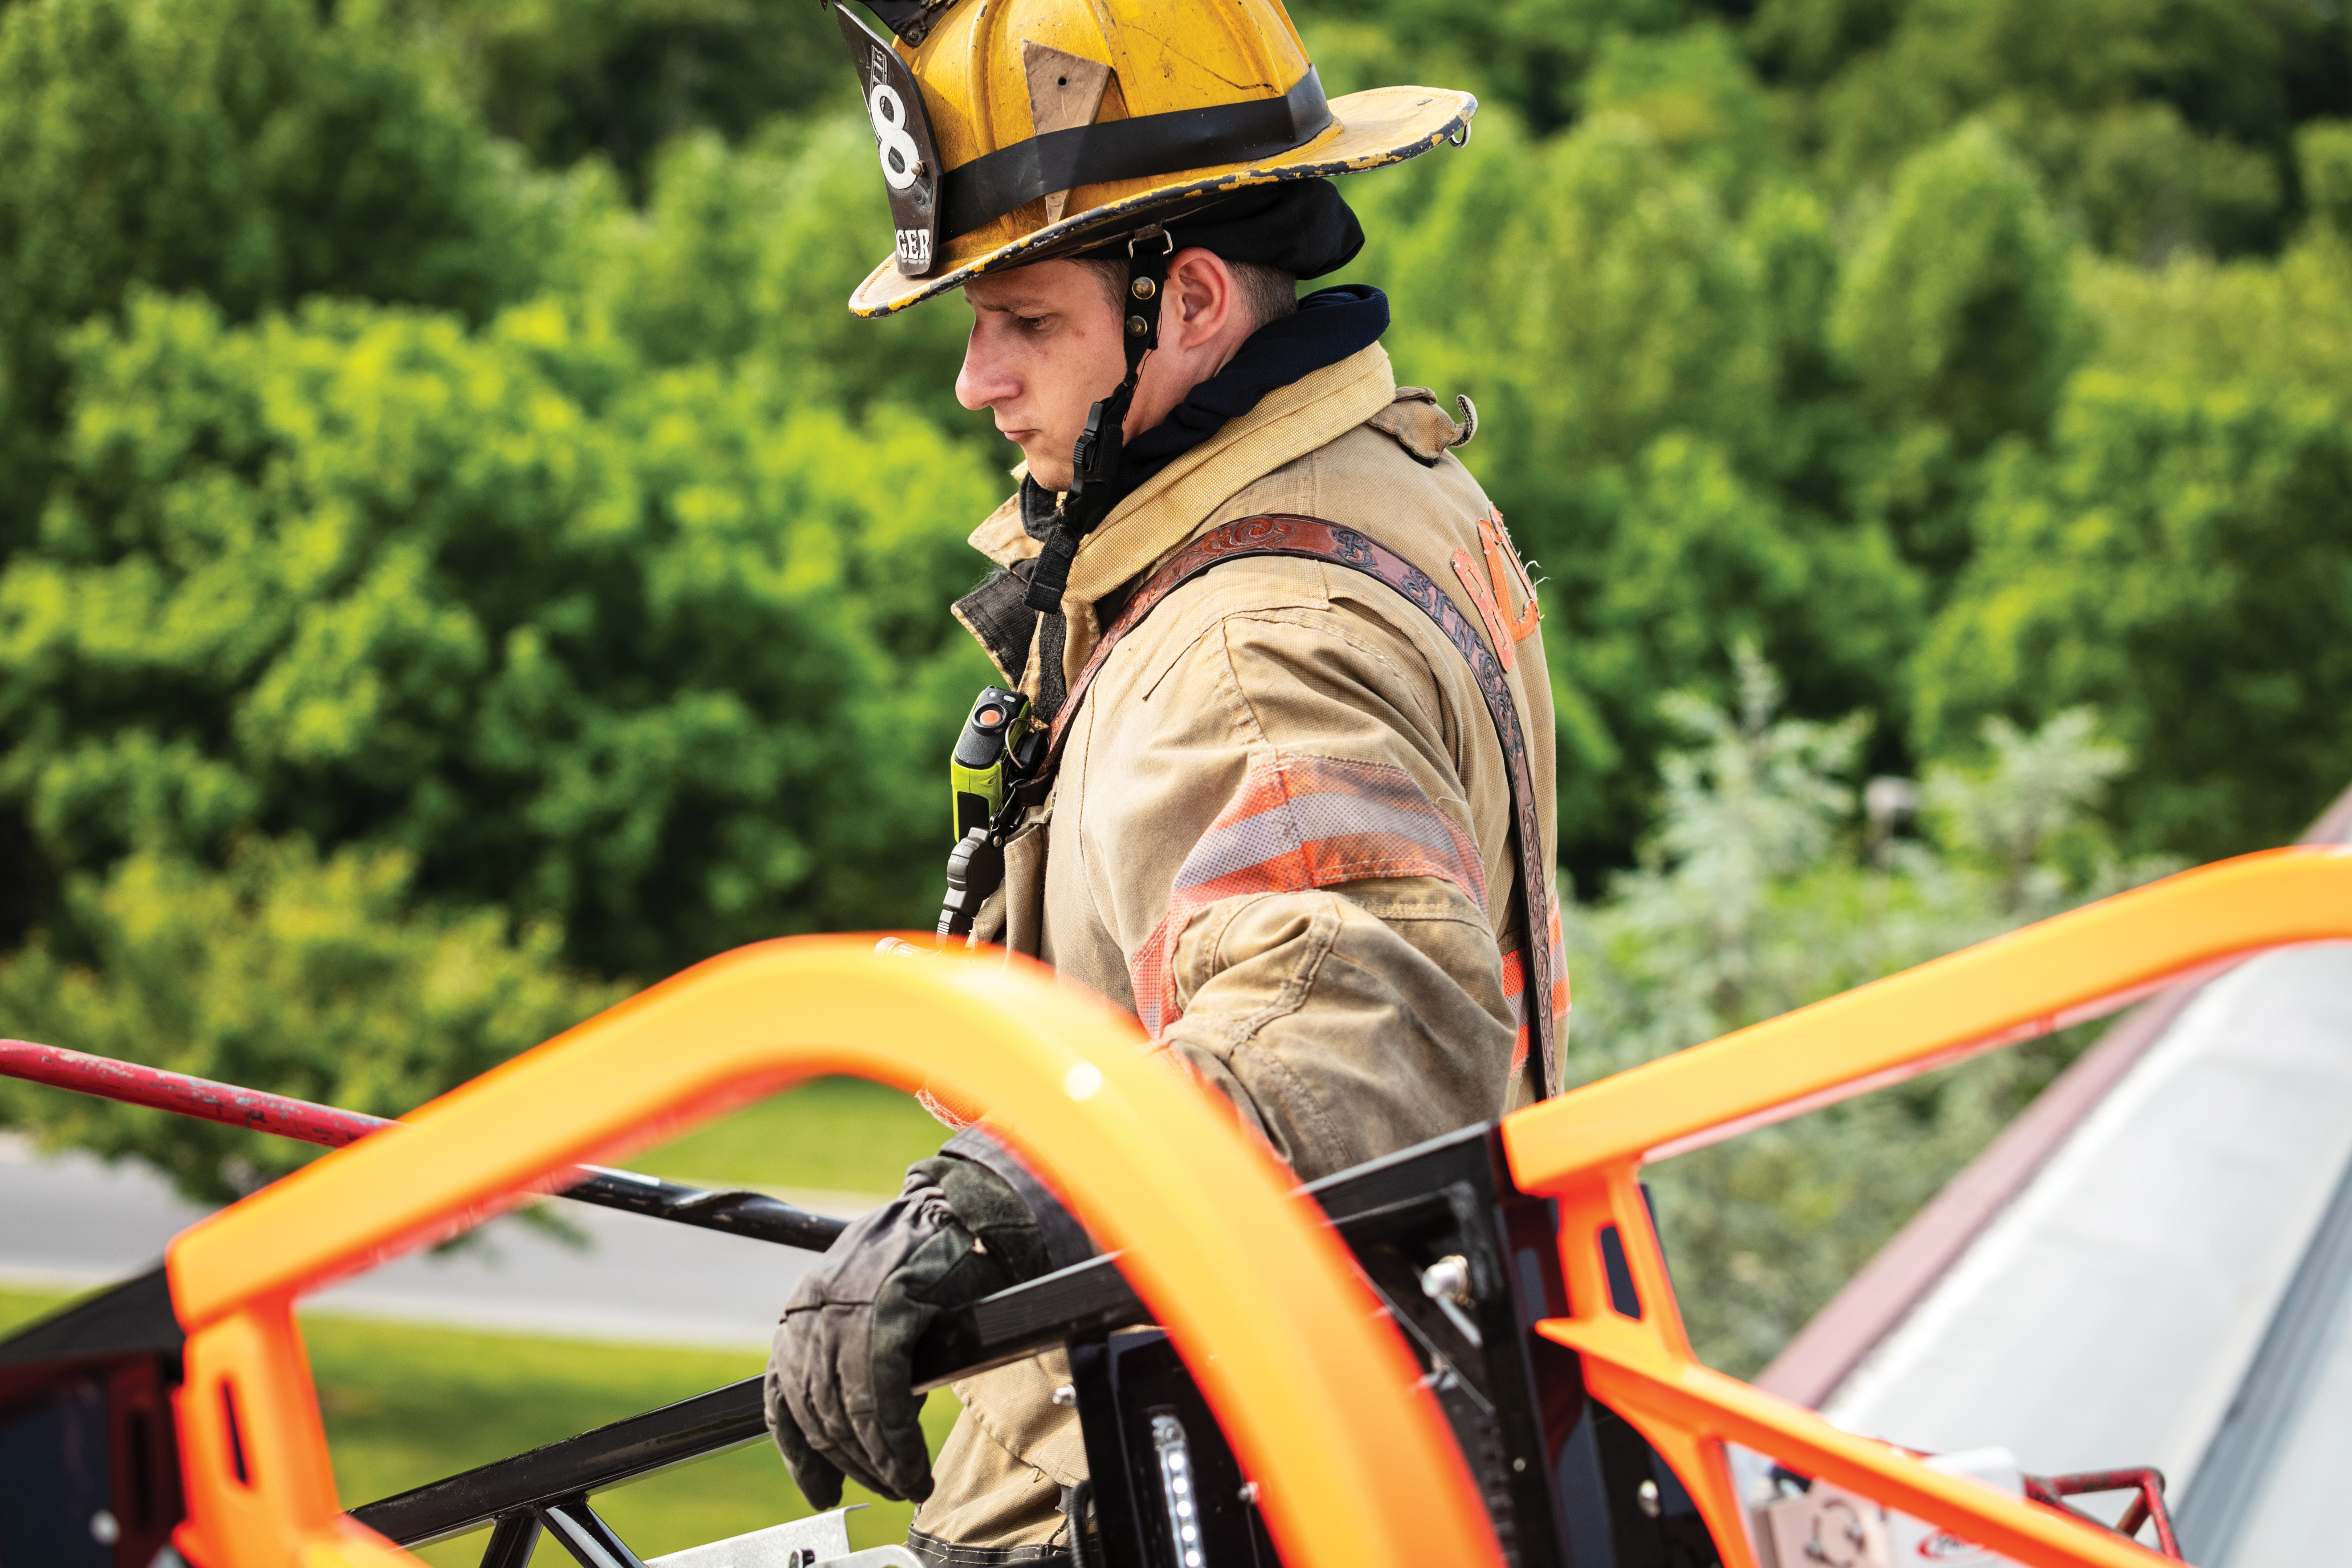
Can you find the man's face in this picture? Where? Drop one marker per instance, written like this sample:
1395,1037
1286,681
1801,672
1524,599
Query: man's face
1044,347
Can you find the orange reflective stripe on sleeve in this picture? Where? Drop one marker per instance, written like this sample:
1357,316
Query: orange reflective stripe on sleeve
1298,823
1311,537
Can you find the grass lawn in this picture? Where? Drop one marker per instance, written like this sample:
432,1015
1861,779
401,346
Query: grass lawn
844,1134
407,1404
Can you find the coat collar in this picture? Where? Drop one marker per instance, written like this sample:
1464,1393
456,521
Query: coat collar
1168,509
1000,536
1165,512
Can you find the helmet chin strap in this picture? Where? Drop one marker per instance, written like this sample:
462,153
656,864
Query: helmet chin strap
1094,462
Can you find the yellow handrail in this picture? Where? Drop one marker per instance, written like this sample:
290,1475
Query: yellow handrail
1586,1147
1320,1396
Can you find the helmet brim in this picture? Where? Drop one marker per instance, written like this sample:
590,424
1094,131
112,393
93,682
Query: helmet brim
1368,131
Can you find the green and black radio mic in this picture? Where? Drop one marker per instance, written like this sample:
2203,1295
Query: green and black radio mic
997,752
981,773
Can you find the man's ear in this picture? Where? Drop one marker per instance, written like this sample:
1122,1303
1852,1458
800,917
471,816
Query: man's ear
1201,298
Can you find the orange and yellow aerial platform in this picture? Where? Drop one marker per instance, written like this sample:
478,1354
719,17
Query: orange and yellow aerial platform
1312,1374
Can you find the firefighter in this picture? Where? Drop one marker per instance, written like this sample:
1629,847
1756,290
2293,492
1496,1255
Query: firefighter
1300,818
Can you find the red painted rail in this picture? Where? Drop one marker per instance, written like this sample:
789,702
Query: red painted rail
752,1214
176,1091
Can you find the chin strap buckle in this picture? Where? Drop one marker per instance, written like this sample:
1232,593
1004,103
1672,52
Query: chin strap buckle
1093,461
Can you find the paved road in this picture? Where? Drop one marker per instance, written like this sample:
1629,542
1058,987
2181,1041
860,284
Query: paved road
76,1221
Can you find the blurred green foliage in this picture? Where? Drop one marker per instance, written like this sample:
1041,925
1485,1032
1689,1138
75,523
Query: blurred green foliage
459,560
2180,558
639,650
1783,306
1759,892
238,149
313,978
617,80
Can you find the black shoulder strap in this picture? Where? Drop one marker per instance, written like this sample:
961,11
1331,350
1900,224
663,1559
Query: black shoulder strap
1279,533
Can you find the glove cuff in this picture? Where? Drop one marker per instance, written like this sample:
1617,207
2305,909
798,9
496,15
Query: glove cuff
1061,1239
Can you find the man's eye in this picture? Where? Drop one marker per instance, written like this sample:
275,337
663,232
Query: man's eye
1030,323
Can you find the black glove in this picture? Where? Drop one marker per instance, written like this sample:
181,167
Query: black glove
839,1391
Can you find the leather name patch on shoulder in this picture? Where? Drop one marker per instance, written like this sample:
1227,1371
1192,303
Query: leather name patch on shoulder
1491,591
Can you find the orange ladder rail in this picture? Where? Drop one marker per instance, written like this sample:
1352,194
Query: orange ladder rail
1317,1390
1585,1148
1258,1295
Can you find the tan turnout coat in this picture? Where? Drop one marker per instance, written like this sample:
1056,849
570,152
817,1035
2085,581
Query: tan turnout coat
1281,834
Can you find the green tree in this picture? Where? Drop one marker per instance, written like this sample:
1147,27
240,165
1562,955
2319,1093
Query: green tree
1695,90
244,149
1636,312
1666,561
1755,895
1954,307
2155,123
642,652
313,978
2178,558
747,253
1530,55
2195,323
2324,161
2146,185
1805,43
1953,318
1628,392
618,78
2073,84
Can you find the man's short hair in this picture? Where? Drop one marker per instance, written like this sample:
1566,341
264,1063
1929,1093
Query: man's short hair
1267,293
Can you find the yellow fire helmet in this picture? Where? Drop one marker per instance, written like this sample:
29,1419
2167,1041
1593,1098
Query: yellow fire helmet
1015,130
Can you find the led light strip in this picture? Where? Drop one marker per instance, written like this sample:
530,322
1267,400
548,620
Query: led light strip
1177,1489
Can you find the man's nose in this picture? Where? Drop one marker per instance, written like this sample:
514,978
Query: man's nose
984,379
